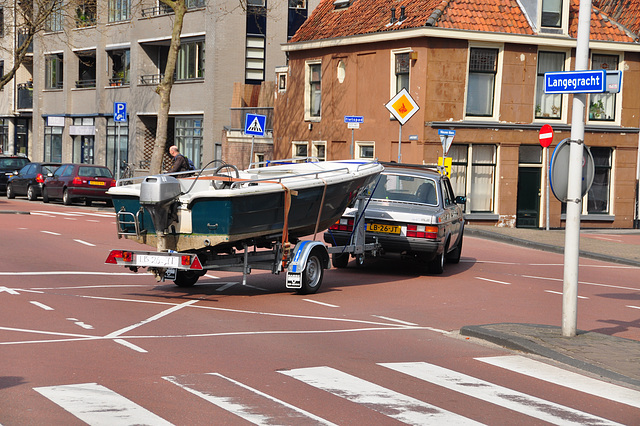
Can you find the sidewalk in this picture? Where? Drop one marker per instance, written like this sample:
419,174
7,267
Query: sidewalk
612,358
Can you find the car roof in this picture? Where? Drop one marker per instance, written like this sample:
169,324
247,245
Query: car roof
412,169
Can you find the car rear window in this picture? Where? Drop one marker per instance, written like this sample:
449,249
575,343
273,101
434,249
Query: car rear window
13,163
413,189
89,171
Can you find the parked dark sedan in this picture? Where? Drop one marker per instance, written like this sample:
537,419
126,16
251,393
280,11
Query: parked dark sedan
29,180
412,212
71,182
8,165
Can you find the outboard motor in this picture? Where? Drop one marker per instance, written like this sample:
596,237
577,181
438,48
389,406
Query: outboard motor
158,195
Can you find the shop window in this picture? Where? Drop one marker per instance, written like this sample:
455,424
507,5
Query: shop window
117,135
53,143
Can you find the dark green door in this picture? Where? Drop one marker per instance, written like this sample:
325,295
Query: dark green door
528,213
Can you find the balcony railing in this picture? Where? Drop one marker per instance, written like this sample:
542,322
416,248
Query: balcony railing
85,84
155,79
163,9
25,95
238,117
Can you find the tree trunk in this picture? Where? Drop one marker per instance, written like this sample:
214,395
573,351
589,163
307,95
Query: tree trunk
164,88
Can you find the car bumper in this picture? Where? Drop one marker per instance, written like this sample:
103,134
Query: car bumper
427,249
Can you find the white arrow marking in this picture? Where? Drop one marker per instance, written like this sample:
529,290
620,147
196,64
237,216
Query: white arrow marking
8,290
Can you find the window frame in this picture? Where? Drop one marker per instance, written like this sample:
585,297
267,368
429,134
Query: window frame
125,56
83,64
294,149
617,101
118,11
54,77
497,82
53,134
189,136
562,28
309,91
538,114
360,145
254,58
395,79
467,166
54,21
315,150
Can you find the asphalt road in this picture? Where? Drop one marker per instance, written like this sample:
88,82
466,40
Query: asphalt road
84,342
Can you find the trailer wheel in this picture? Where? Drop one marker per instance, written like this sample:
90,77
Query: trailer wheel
312,275
340,260
186,278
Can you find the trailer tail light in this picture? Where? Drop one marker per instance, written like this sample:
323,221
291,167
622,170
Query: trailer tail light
421,231
40,178
344,224
113,257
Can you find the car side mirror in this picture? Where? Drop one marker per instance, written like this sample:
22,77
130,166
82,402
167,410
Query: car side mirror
461,200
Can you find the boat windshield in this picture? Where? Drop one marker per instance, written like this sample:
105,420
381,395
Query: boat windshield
413,189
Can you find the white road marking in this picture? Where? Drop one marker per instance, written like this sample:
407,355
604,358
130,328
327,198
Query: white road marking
45,212
560,293
85,243
41,305
388,402
633,307
97,405
559,376
486,391
583,282
50,233
81,324
492,281
130,345
212,276
107,215
71,273
8,290
40,214
93,220
247,403
150,319
321,303
395,320
69,218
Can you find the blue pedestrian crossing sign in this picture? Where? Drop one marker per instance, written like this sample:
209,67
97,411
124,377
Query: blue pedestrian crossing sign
254,124
120,112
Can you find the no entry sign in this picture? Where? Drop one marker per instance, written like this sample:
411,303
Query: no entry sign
546,135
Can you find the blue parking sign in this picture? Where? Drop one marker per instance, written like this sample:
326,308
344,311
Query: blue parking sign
120,112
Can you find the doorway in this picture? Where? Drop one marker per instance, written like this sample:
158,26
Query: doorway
529,181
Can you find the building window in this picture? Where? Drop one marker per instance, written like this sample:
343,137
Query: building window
194,4
313,89
402,63
190,62
188,138
319,150
282,82
53,71
86,69
365,150
300,150
119,10
551,13
475,180
117,135
599,195
548,105
4,135
256,3
85,13
120,65
483,67
83,134
2,22
54,20
53,143
254,61
602,106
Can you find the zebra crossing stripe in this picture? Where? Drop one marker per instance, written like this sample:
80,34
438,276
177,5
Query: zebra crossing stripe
244,401
486,391
385,401
97,405
558,376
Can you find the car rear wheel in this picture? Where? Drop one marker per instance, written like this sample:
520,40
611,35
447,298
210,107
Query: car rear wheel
437,264
454,255
87,202
66,197
45,195
31,193
10,193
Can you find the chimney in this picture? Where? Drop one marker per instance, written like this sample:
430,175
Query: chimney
393,15
402,15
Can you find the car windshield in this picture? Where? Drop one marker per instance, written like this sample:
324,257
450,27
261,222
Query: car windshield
13,163
413,189
88,171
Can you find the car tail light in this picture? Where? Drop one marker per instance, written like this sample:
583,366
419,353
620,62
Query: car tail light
40,178
344,224
113,257
113,183
77,180
421,231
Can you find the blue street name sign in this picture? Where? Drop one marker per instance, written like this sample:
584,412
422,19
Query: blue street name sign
445,132
590,81
120,112
254,124
353,119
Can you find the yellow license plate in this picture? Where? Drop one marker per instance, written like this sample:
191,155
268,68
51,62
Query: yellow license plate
387,229
96,182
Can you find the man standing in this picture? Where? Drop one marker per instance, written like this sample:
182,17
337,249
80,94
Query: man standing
179,162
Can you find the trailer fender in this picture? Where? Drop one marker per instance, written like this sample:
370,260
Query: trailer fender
301,253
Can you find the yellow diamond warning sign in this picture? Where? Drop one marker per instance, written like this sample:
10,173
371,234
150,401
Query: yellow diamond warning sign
402,106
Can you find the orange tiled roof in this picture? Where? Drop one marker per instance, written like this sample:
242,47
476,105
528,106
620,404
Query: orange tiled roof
497,16
625,12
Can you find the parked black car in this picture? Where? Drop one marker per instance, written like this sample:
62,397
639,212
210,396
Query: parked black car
412,212
8,165
29,180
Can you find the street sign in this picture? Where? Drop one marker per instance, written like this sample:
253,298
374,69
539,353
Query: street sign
614,81
546,135
402,106
254,124
589,81
446,137
353,119
559,170
353,125
120,112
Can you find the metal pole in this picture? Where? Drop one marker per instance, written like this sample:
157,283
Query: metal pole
546,167
400,145
574,185
352,145
117,146
253,138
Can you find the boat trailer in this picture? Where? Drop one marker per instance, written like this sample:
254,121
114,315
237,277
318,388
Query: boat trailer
304,263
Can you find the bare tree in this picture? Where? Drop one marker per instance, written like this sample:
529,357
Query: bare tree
179,8
28,18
